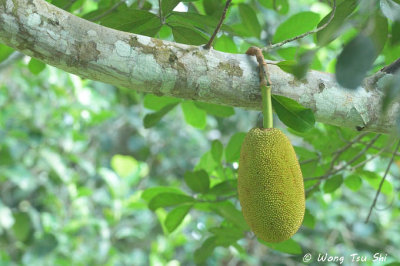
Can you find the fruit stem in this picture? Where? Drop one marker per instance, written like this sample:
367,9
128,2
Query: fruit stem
268,121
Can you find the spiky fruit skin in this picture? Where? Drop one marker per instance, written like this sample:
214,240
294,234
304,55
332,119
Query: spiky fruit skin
270,185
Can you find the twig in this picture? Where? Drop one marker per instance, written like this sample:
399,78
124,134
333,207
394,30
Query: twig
355,158
209,44
381,183
393,67
344,148
330,173
279,44
12,58
108,11
367,160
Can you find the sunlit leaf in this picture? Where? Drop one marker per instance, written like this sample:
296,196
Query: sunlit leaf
198,181
232,150
193,115
176,216
296,25
333,183
293,114
168,199
288,246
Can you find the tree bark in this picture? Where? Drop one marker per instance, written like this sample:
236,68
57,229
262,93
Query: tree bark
41,30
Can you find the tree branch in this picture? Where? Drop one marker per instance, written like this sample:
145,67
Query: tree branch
56,37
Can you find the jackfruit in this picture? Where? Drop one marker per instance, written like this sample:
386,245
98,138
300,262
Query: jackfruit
270,185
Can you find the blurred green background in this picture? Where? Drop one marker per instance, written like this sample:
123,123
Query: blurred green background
91,174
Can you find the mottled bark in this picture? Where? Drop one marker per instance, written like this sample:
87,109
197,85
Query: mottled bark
38,29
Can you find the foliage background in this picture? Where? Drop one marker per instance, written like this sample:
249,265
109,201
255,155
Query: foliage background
91,174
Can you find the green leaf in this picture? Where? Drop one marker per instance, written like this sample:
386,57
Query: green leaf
333,30
194,20
193,115
288,246
131,20
354,61
395,34
230,232
227,210
36,66
167,6
228,187
188,35
249,20
22,226
374,180
168,199
175,217
225,44
216,109
280,6
213,7
293,114
295,25
5,52
156,103
217,150
232,150
207,163
198,181
298,69
353,182
152,119
333,183
309,219
379,33
205,251
287,66
150,193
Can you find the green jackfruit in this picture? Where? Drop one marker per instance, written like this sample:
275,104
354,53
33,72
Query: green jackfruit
270,185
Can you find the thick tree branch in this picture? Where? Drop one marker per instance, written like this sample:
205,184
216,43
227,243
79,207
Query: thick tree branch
56,37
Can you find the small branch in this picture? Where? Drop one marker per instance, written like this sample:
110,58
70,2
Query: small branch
330,173
355,158
344,148
108,11
11,59
381,183
209,44
279,44
367,160
392,68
